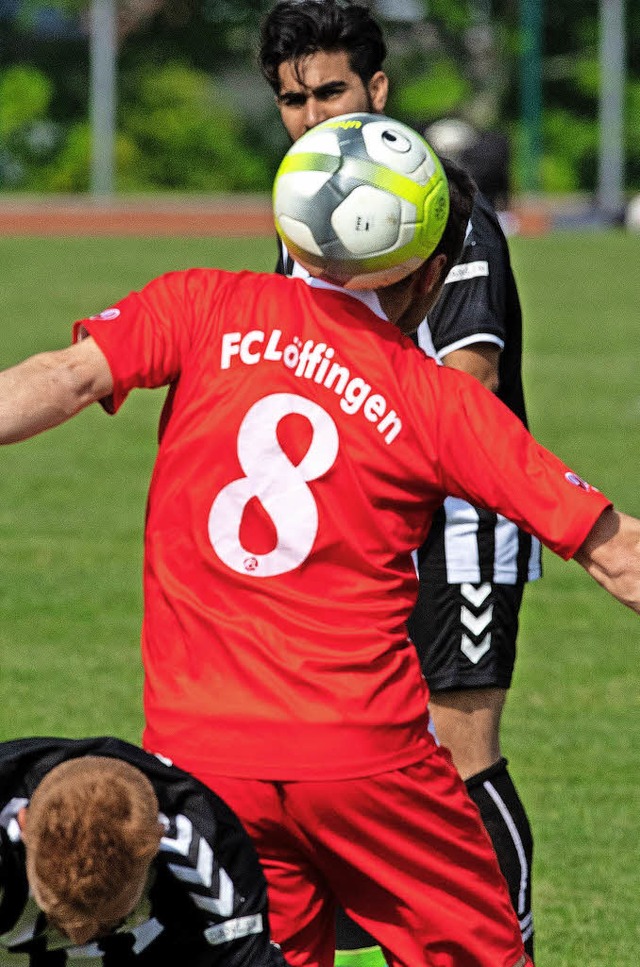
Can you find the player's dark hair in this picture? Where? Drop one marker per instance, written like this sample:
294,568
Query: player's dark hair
462,192
294,29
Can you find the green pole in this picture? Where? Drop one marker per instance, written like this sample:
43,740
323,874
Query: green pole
531,92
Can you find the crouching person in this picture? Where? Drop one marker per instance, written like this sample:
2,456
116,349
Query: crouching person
110,856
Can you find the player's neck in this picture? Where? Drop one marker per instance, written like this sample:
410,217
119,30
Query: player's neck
407,302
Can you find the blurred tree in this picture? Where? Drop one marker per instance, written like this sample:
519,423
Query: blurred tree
27,138
461,59
185,136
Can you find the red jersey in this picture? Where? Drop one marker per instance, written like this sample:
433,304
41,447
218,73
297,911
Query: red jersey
304,447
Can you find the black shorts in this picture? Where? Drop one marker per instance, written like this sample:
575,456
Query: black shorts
465,634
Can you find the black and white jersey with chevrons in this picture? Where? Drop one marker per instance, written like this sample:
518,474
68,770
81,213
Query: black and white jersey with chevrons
204,903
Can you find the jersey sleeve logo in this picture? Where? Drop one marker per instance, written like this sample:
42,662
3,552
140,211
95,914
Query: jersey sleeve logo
577,481
279,485
107,314
468,270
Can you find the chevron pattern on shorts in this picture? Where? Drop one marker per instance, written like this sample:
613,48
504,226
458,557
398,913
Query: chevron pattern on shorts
475,618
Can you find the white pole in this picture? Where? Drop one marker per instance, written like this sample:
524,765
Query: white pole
612,82
102,111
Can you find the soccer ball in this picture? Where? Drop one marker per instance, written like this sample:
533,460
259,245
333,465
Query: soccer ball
360,200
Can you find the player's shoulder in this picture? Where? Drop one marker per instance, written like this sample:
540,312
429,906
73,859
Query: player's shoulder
24,762
251,286
484,225
181,793
417,368
195,282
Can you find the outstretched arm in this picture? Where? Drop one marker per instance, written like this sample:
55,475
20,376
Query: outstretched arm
47,389
611,555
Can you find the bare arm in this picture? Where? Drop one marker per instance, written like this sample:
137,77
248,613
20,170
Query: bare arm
47,389
480,360
611,555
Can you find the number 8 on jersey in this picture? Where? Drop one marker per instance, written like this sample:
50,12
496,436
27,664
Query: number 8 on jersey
279,485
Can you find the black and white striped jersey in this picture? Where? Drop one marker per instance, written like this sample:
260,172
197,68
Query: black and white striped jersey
480,304
205,901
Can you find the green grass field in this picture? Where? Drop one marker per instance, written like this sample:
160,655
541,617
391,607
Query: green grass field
71,518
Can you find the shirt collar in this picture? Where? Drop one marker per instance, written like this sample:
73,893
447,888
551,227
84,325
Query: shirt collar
368,297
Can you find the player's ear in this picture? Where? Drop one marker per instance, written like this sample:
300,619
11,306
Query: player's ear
433,274
149,845
429,280
378,88
21,816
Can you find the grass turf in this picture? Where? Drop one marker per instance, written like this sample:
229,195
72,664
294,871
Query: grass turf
71,520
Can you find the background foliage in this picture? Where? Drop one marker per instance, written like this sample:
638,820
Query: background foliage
195,115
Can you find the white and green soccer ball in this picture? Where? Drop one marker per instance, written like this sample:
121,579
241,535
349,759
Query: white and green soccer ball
361,200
